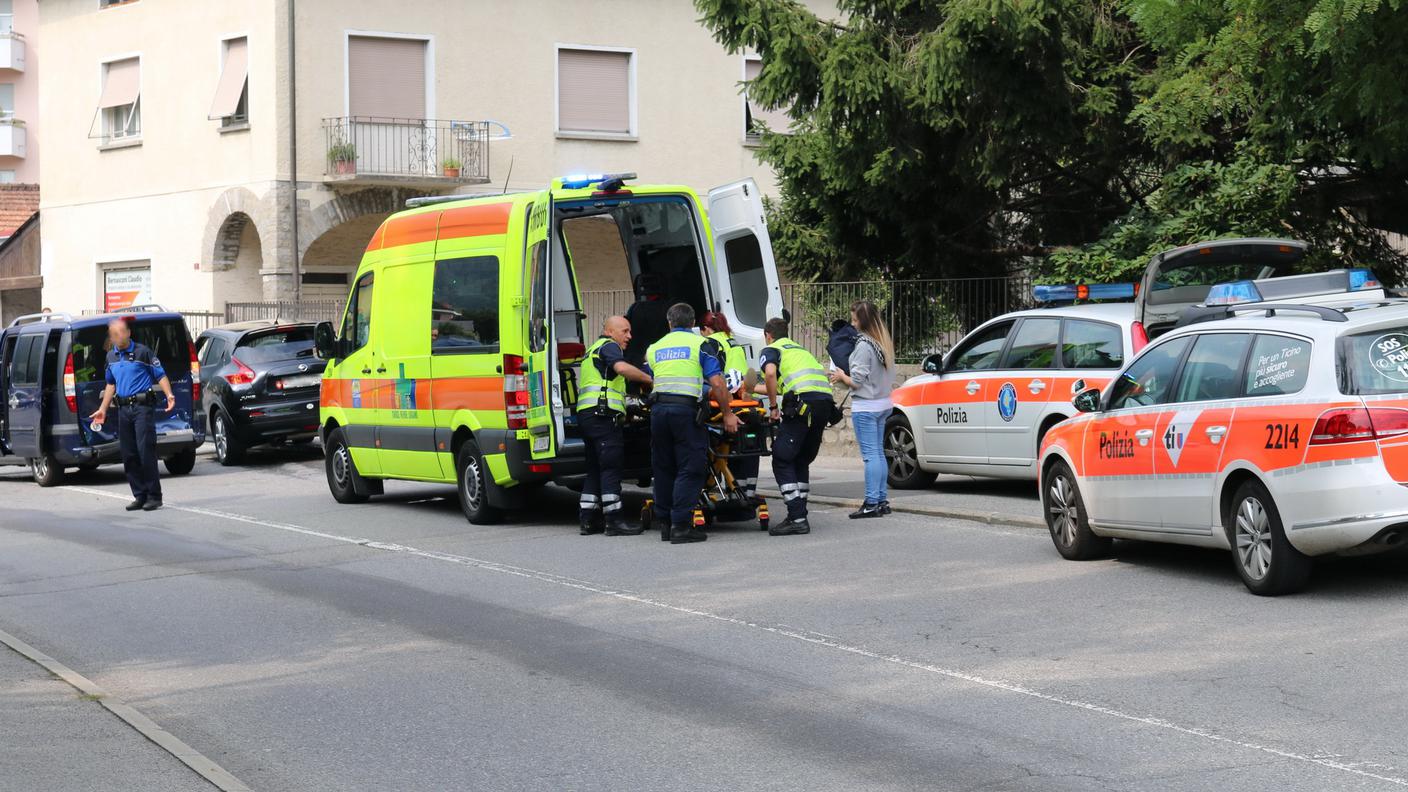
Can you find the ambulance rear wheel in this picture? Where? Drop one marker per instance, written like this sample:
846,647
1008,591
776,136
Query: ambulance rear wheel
1265,560
342,471
1066,518
473,487
902,456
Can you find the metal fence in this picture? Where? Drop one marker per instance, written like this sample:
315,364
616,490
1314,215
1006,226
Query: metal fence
924,316
285,310
455,151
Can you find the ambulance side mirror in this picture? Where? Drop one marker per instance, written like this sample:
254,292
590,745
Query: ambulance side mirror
1087,400
325,344
934,364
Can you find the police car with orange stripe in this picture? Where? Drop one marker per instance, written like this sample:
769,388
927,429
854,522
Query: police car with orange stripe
1272,422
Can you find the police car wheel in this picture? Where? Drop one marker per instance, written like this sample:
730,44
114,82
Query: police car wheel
47,471
902,456
473,489
1066,518
1264,558
181,463
341,469
228,448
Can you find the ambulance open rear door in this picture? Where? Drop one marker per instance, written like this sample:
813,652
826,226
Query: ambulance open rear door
540,368
744,273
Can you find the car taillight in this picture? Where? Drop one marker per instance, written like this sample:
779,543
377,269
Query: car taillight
70,385
195,376
1139,336
1352,424
243,376
515,392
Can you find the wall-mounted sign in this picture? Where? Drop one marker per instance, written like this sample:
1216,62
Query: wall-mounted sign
124,288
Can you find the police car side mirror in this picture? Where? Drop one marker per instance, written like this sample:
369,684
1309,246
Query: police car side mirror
933,364
325,344
1087,400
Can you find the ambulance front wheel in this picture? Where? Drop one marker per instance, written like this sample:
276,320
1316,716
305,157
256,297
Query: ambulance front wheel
1066,518
342,471
473,487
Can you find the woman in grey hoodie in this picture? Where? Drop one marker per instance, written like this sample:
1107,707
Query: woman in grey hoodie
871,379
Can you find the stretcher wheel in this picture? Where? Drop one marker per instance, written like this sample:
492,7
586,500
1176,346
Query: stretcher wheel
647,517
763,518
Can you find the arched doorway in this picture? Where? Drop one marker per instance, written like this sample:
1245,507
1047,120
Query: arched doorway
237,260
332,259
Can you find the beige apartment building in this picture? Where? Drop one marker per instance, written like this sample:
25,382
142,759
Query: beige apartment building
200,153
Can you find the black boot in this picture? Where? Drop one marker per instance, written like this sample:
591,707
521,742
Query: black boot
617,526
686,534
790,527
590,521
885,507
867,509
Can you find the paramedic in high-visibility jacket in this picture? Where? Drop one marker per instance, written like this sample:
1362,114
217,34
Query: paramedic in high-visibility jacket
802,414
686,370
601,417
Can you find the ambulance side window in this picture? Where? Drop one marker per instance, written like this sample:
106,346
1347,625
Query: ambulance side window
537,304
464,308
359,314
1149,380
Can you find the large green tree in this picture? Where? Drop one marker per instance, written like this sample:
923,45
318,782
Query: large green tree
953,137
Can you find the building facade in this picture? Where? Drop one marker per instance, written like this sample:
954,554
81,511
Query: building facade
251,156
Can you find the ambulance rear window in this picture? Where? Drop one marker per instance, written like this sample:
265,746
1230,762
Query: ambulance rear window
1374,362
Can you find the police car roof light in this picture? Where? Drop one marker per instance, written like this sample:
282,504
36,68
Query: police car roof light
1067,292
1362,279
1234,293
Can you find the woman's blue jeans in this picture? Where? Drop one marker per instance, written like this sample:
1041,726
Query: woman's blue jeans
870,434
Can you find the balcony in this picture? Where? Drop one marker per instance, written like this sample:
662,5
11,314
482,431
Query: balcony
11,45
405,152
12,136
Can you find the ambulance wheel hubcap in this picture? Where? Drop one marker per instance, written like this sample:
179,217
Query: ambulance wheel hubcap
341,464
1064,513
470,483
900,445
1254,538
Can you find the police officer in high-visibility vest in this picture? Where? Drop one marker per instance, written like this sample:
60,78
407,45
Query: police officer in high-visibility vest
601,414
802,413
715,327
686,369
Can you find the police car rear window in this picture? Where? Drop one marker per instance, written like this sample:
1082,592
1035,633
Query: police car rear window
1374,362
167,338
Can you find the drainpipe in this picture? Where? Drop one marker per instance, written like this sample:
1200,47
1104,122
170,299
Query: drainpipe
293,147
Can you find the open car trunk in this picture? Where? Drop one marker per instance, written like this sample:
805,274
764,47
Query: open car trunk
1181,278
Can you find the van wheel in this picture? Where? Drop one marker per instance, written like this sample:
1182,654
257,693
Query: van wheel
47,471
182,463
473,486
1066,517
228,448
902,456
1265,560
342,471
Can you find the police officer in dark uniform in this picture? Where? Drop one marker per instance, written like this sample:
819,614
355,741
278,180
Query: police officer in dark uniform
687,371
132,370
601,413
802,416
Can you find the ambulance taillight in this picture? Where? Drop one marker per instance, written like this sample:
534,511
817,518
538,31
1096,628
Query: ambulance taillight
515,392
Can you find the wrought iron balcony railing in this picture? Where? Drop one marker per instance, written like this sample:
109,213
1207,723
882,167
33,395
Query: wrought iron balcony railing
406,149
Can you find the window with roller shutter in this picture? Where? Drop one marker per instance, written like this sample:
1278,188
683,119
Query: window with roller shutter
386,78
595,92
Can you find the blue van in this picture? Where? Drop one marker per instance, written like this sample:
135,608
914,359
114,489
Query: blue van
53,370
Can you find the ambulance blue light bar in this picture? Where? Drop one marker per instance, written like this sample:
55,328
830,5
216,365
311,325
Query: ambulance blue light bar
583,181
1068,292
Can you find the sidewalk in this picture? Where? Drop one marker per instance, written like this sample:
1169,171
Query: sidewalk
53,739
841,481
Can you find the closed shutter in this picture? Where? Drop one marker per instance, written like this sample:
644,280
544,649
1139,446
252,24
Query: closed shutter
386,77
774,119
593,91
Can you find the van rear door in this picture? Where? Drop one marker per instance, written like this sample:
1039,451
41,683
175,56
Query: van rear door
744,274
540,368
26,397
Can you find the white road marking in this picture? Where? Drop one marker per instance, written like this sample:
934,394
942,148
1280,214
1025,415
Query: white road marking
805,636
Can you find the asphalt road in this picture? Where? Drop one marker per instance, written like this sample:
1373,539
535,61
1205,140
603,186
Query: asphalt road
309,646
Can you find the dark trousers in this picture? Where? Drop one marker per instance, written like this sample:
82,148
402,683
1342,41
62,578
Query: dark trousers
136,436
795,446
606,453
678,454
745,474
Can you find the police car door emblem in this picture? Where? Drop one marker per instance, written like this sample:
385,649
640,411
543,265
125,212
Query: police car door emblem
1007,401
1176,434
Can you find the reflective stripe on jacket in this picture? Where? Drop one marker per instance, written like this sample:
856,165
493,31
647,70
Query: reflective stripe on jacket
798,370
675,364
594,390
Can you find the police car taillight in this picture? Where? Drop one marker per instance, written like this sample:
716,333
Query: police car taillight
515,392
1353,424
1138,336
1234,293
70,385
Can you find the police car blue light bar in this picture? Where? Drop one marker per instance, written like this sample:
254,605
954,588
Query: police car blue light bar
1291,287
1067,292
1363,278
1234,293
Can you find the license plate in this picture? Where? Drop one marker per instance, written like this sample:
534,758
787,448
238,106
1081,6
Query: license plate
301,381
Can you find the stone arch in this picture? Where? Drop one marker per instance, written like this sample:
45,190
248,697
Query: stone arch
226,223
338,232
347,206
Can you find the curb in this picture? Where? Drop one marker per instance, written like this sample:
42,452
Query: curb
988,518
190,757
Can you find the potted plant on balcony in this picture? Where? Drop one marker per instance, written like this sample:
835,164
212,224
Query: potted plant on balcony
451,167
344,158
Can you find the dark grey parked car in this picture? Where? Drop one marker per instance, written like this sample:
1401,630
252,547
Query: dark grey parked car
260,383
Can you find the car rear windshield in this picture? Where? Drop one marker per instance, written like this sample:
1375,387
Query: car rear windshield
268,346
1374,362
167,339
1190,280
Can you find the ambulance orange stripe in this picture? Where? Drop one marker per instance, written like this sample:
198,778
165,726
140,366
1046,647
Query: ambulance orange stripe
410,230
468,393
377,238
445,393
476,220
